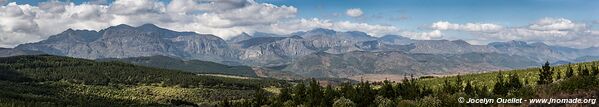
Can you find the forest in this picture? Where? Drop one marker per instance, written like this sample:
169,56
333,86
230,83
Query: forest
562,81
47,80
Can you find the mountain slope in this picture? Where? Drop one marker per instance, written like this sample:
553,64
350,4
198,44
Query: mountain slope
360,63
194,66
124,41
62,81
6,52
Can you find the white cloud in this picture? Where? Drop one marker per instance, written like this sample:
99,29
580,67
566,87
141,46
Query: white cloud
435,34
370,29
556,24
553,31
22,23
354,12
475,27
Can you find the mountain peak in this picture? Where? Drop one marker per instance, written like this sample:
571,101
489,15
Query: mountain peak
296,37
390,37
152,28
322,30
149,26
459,41
123,26
517,42
244,34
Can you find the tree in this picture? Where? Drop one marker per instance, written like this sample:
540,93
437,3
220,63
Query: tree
514,82
558,76
329,95
500,87
409,88
583,71
367,95
594,69
348,91
448,87
387,90
343,102
482,92
260,98
545,74
284,96
299,93
314,95
459,83
469,89
381,101
569,71
226,103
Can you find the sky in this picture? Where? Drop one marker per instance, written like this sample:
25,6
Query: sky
570,23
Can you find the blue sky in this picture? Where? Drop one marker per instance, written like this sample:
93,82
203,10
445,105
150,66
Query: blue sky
556,22
419,12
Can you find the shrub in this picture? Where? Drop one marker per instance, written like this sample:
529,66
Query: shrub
428,101
577,82
381,101
344,102
406,103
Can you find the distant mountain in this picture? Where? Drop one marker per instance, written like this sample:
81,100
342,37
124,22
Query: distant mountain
7,52
194,66
360,63
306,52
276,50
449,47
396,40
586,59
124,41
540,52
241,37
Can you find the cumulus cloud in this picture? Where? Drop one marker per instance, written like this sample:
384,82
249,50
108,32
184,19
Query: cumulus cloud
556,24
354,12
553,31
22,23
370,29
475,27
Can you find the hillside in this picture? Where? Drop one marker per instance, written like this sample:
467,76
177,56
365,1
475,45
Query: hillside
6,52
63,81
538,87
530,75
401,63
194,66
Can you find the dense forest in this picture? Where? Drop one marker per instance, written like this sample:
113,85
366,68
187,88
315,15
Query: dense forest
44,80
55,80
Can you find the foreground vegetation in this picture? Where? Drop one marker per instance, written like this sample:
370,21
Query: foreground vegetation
62,81
563,81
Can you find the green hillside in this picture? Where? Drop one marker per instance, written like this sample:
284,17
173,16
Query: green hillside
528,75
62,81
578,81
194,66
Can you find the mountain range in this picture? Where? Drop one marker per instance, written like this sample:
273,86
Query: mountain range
313,53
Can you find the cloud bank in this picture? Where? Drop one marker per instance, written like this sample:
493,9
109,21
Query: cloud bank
24,23
553,31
